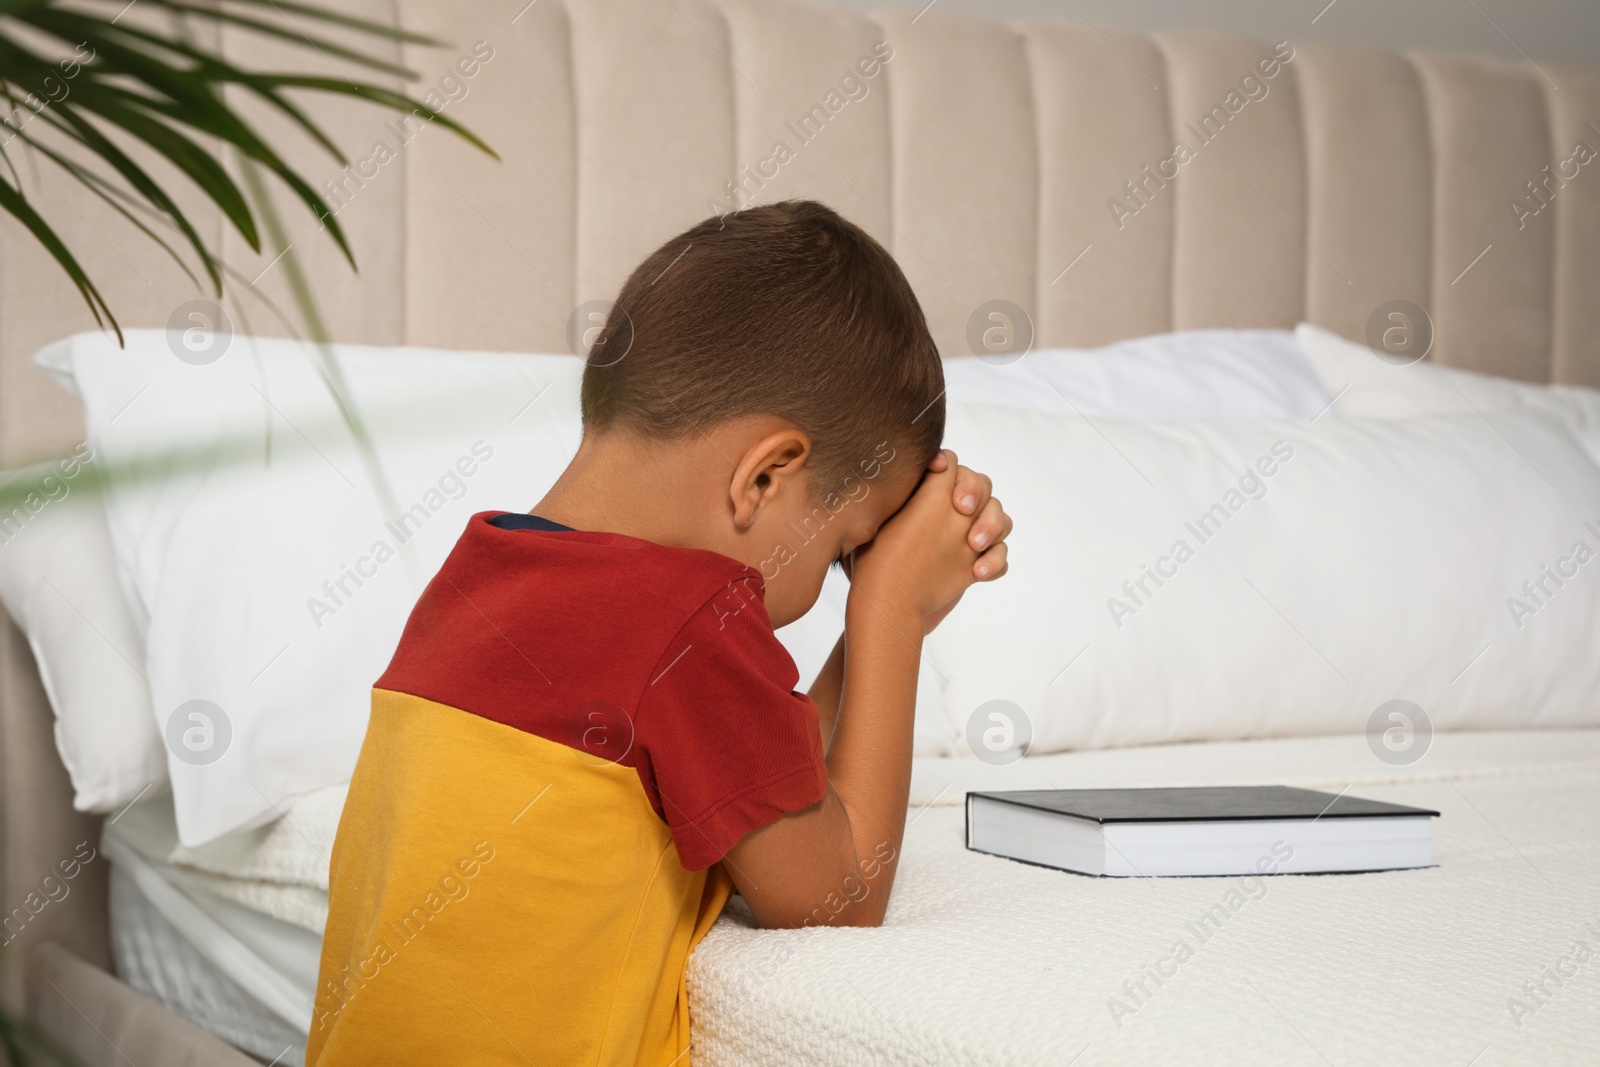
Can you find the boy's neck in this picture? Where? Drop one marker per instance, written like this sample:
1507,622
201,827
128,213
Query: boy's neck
661,491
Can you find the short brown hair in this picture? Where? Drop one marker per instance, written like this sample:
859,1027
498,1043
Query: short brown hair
786,309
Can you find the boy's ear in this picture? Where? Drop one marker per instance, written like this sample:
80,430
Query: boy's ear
774,464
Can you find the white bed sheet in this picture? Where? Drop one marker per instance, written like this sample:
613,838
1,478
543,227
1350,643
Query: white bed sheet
244,975
156,959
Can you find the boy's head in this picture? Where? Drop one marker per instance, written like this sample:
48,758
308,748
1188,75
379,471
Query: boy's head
787,309
787,327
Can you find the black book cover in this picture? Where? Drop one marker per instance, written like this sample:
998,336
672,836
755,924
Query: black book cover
1197,804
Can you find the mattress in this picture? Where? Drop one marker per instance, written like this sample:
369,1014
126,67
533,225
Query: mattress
1487,958
194,942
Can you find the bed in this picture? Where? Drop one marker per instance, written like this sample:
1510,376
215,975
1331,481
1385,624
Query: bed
1000,163
984,961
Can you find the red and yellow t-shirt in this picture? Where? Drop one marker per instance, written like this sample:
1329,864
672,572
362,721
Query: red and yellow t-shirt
574,728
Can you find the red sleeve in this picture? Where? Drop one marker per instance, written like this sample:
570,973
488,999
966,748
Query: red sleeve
723,743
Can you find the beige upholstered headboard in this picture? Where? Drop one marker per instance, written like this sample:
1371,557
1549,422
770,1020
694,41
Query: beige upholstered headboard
1036,164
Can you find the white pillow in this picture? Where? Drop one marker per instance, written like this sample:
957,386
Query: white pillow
1381,561
241,551
59,582
1194,374
301,721
1367,386
164,529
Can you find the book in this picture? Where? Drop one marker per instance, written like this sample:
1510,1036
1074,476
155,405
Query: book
1214,830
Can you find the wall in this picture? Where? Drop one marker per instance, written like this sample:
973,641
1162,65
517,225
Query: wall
1513,29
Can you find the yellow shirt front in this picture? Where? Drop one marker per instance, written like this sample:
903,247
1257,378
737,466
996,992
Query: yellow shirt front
551,840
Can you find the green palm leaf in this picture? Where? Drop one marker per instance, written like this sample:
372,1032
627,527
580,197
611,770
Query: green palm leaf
15,204
110,194
152,86
166,92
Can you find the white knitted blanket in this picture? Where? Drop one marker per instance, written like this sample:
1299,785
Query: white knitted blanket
280,869
1491,957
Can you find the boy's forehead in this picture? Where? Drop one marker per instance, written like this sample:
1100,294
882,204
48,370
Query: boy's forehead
895,484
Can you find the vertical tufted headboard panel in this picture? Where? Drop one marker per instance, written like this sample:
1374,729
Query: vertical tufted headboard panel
1111,184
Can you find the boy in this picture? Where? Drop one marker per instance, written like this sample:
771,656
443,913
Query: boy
589,728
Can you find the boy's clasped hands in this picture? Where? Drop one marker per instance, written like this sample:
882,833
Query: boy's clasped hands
950,534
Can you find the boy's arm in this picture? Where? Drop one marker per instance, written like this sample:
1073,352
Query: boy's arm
833,862
970,496
827,691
